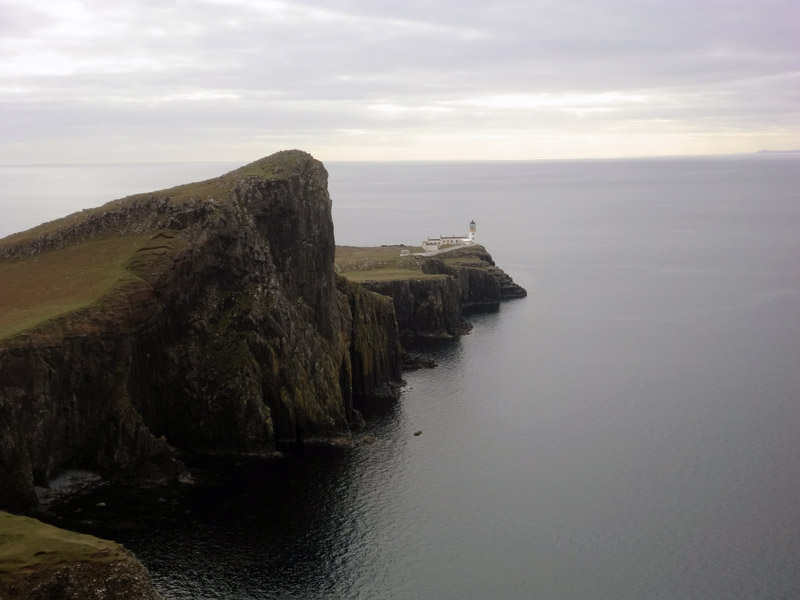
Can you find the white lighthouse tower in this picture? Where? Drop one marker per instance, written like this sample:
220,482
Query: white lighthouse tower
472,232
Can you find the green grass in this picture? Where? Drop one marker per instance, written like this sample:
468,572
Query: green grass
54,283
276,166
365,257
388,275
464,257
382,263
28,546
51,284
461,261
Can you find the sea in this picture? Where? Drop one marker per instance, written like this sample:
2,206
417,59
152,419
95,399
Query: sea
630,430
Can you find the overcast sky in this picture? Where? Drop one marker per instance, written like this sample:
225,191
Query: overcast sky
234,80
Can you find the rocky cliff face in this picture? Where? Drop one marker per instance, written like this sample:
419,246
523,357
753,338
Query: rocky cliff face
433,307
482,281
124,579
231,336
373,366
425,308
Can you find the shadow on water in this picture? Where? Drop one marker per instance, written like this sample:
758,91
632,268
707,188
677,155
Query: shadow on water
481,309
245,529
376,410
282,527
431,348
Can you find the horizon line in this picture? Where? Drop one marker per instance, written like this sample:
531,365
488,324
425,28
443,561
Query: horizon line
411,160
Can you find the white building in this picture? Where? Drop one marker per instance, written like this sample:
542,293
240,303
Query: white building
450,241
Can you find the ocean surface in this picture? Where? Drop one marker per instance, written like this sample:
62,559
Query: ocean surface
630,430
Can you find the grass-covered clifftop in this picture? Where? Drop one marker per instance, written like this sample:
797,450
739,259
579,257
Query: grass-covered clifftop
386,263
380,263
71,263
43,287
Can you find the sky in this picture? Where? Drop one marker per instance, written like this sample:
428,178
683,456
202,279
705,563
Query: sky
234,80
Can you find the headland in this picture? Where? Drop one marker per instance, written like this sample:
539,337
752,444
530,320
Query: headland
215,318
430,291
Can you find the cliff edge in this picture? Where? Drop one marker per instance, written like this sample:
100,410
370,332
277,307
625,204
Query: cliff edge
206,317
430,293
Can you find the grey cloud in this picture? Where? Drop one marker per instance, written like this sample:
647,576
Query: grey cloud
273,68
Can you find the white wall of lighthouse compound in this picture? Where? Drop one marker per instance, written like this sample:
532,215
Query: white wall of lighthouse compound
442,242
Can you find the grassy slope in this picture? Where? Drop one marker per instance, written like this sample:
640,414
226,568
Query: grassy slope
462,261
28,546
382,263
49,285
44,287
385,263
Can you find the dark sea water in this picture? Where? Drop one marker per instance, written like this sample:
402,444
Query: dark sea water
631,430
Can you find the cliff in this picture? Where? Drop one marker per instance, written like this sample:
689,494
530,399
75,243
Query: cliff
482,281
430,293
40,562
374,365
425,308
206,318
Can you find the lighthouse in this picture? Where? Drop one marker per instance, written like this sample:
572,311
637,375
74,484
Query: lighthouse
450,242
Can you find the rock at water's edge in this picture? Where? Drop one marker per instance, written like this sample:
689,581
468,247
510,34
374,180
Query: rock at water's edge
41,562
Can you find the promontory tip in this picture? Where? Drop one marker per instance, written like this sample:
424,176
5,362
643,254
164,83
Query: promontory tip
279,165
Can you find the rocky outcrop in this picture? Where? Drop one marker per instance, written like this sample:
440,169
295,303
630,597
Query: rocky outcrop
41,562
433,307
482,281
231,336
425,308
125,579
375,359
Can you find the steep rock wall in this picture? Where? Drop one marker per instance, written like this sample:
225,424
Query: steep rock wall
425,308
477,286
433,307
374,352
483,282
231,338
